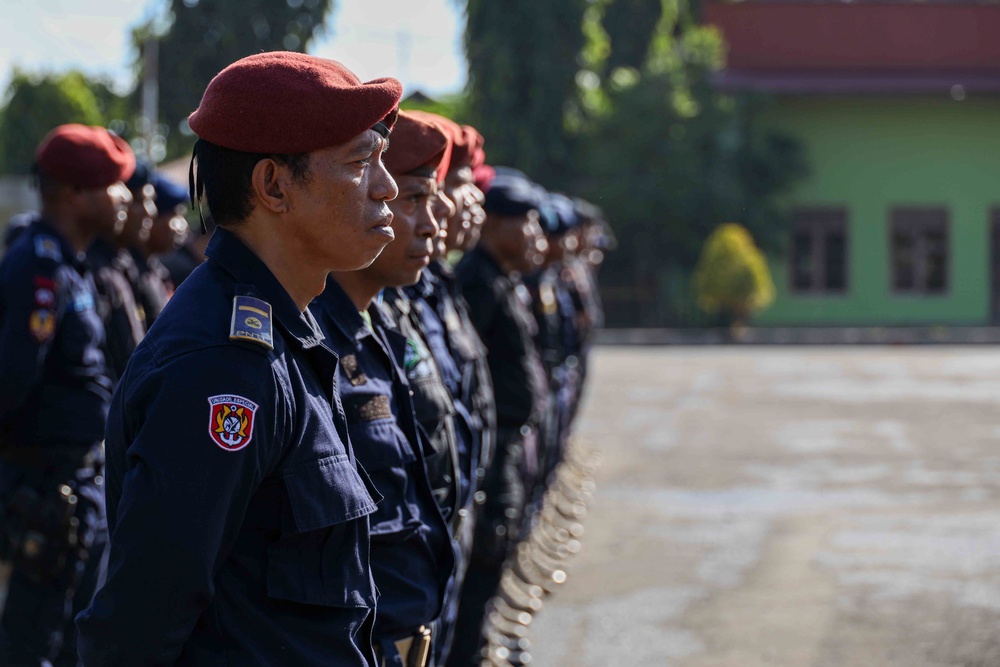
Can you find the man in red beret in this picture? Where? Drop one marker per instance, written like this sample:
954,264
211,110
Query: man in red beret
440,315
54,396
238,512
399,413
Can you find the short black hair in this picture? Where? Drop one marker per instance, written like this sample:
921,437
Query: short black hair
225,175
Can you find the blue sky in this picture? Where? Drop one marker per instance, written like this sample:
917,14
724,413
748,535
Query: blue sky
416,41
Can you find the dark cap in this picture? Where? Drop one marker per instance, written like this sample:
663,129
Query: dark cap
513,195
140,177
283,102
85,156
169,195
416,145
561,216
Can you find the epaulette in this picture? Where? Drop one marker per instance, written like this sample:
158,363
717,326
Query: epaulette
47,247
251,321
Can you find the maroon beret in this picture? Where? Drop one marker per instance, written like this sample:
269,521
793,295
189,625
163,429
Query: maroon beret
415,144
282,102
477,156
461,150
483,177
85,156
441,123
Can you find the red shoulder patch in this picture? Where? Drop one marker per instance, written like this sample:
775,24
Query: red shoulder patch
231,421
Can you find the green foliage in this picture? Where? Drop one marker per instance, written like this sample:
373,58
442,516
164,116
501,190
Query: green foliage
732,275
522,75
36,104
208,35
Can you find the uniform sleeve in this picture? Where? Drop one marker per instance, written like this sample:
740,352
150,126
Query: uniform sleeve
188,445
32,306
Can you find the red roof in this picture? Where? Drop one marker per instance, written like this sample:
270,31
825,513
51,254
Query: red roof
847,45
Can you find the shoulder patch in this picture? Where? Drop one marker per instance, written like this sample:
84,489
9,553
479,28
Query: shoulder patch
251,321
231,420
48,247
42,325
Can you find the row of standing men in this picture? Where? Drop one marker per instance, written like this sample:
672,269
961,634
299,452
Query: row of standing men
322,449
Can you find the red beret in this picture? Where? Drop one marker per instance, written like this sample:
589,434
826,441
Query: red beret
477,156
441,123
85,156
415,144
483,176
282,102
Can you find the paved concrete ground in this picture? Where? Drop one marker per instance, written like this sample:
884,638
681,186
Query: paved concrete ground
787,507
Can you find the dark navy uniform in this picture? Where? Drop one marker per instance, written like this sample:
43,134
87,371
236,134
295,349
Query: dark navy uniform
238,513
54,399
411,553
433,406
152,286
559,346
434,313
500,309
124,321
180,263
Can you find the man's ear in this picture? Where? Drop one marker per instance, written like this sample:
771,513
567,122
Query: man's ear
270,182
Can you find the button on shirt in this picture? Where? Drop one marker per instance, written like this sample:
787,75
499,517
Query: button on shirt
54,384
237,511
411,553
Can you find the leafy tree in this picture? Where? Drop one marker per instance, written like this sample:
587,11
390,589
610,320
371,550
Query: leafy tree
732,277
522,59
669,157
207,35
35,105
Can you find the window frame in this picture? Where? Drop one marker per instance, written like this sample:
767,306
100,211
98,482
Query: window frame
812,219
916,221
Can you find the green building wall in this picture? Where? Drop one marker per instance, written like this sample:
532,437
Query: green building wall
871,154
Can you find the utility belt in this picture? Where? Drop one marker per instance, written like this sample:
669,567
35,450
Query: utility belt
415,650
40,531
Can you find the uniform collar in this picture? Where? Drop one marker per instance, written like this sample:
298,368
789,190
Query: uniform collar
343,313
77,259
229,253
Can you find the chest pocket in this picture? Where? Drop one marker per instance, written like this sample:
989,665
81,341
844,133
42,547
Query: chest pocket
379,443
321,556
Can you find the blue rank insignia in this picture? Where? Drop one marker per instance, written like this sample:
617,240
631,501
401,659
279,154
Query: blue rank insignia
251,321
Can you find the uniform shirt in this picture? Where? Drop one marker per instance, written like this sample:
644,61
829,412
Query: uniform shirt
500,309
433,406
124,321
152,286
443,294
180,263
54,385
237,511
411,553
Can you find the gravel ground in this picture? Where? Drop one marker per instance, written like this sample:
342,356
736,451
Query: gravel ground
787,507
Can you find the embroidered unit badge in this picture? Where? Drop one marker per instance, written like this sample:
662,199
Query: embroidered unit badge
42,324
230,422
